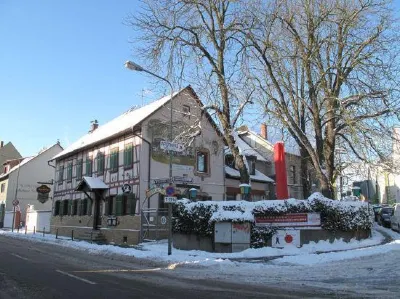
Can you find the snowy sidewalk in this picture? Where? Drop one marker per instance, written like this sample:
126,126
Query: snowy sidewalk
158,250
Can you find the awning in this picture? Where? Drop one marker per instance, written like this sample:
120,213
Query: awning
89,184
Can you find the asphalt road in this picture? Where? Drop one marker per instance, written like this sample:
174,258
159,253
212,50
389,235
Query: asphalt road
39,270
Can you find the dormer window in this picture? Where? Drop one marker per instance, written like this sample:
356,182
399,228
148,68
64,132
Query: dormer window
251,161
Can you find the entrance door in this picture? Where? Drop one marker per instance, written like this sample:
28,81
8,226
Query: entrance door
2,213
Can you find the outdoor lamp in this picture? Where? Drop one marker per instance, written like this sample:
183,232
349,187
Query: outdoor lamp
192,193
356,191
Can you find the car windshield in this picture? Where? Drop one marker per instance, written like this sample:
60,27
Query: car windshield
387,211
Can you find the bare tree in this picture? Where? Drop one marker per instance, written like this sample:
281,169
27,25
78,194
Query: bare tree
333,63
196,42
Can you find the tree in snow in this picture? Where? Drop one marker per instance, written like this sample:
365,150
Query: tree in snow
196,42
328,71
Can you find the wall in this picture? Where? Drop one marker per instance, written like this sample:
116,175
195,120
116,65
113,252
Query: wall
157,127
30,173
38,220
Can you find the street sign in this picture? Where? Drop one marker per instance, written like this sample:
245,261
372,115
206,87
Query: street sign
170,190
15,202
170,199
170,146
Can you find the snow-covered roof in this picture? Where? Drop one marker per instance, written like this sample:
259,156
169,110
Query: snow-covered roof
245,148
24,161
116,126
258,176
91,183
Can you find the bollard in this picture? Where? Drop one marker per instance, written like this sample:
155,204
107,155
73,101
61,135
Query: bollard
43,231
26,229
34,230
57,233
18,229
72,235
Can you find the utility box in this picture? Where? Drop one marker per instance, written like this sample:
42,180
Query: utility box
231,237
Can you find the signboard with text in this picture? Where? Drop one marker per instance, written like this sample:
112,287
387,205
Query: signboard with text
289,220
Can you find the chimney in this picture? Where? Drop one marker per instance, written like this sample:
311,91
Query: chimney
264,131
94,125
1,144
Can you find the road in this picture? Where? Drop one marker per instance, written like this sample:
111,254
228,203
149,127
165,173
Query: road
39,270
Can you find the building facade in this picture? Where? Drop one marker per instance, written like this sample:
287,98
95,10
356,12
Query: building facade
20,179
129,155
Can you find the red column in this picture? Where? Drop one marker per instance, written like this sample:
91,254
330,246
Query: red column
280,171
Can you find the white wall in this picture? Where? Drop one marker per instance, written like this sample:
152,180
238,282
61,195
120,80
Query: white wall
38,220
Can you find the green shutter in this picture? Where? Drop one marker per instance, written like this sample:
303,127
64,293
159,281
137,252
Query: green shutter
69,207
118,205
128,156
132,203
89,207
61,208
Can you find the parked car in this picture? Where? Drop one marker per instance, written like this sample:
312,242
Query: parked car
384,216
395,219
376,209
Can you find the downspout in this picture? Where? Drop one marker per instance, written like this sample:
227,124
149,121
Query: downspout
149,162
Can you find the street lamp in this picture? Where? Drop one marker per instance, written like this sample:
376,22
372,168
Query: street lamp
192,193
135,67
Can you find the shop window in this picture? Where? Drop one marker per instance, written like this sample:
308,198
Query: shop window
114,160
89,166
79,169
69,172
128,155
202,161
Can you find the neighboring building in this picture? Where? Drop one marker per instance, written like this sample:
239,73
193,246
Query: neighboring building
103,181
8,152
262,186
20,179
260,144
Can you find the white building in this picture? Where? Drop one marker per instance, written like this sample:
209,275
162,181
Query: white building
20,179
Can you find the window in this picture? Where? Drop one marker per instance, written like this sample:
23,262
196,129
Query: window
65,205
57,208
129,204
3,187
74,210
61,174
89,166
229,161
109,206
69,172
186,111
202,160
83,203
79,169
252,166
114,160
128,155
293,174
100,163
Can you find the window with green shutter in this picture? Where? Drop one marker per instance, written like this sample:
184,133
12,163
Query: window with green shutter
84,205
61,174
100,163
109,206
69,172
89,166
128,155
118,205
79,169
130,201
65,207
114,160
57,208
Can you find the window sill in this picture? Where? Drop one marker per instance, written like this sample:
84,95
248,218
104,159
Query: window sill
202,174
128,167
113,170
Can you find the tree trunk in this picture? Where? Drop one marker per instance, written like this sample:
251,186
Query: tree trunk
305,178
326,188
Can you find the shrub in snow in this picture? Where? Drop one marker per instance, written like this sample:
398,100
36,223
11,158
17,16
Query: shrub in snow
199,217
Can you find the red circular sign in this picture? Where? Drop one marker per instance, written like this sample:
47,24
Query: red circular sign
288,239
170,190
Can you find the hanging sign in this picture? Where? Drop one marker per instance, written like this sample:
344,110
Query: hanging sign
126,188
43,192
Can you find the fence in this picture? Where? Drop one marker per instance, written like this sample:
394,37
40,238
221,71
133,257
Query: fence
154,224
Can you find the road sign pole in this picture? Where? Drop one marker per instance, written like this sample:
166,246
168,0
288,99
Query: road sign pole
169,228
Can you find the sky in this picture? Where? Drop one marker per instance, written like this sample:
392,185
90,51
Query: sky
61,66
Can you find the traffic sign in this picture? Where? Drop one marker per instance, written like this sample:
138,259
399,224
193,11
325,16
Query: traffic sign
170,146
170,190
15,202
170,199
163,220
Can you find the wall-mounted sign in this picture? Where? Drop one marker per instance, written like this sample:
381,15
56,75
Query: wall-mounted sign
170,146
286,238
175,179
126,188
290,220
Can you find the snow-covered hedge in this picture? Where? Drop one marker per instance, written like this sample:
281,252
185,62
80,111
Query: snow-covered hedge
199,217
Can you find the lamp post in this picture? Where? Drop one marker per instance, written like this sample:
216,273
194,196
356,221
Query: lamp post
135,67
